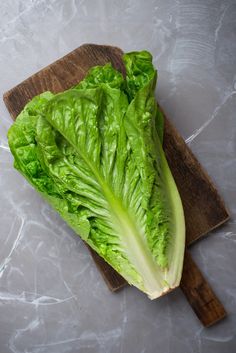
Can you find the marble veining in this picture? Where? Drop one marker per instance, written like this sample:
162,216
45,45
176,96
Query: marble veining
52,299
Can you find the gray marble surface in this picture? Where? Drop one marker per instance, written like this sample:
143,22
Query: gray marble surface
52,299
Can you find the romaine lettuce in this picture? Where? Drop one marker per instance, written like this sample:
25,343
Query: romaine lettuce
95,153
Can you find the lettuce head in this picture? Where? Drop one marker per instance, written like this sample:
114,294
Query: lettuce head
94,152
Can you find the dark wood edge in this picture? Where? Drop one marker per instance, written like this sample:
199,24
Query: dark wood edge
199,294
45,68
205,176
114,281
205,234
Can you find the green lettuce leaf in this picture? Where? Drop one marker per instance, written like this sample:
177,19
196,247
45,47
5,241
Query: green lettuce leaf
95,153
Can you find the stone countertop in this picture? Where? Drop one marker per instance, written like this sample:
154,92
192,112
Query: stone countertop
52,299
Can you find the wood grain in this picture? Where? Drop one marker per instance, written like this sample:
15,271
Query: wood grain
62,74
199,294
204,209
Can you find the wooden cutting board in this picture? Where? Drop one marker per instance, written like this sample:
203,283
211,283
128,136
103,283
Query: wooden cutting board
203,207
